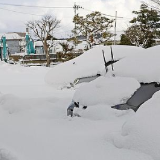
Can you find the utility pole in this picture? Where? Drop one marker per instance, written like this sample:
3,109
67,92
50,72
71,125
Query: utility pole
115,25
76,7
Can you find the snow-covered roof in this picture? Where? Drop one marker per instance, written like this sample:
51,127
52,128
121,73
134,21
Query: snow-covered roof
55,42
83,45
10,36
38,43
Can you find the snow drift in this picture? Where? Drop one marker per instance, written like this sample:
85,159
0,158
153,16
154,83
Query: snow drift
33,120
141,132
143,67
88,64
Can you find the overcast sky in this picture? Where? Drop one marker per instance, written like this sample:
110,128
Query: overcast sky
13,21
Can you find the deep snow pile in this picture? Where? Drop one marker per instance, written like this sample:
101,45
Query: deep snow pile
143,67
18,75
37,129
110,91
6,155
142,131
33,120
23,81
88,64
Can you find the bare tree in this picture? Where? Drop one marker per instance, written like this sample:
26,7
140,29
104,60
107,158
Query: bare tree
43,30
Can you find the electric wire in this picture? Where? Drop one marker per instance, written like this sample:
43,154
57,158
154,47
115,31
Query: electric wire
52,7
20,12
108,15
32,6
47,7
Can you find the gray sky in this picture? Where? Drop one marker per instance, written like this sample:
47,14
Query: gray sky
12,21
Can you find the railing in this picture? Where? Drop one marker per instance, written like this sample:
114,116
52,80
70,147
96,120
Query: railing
40,59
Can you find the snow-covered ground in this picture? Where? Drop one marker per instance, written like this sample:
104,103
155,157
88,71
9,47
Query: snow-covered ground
141,133
88,64
33,120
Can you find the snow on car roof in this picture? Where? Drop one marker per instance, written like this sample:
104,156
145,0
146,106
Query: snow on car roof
88,64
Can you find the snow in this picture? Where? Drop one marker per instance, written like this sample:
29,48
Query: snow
88,64
83,45
20,54
38,43
144,67
56,45
142,131
6,155
33,120
58,48
10,36
111,91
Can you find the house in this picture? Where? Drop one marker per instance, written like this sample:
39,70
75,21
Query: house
83,45
56,47
15,42
40,50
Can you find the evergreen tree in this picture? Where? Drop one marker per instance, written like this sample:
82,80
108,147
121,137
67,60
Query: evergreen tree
125,40
145,27
94,27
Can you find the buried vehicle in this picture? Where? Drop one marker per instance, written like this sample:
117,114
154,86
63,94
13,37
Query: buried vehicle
117,92
137,78
143,94
105,90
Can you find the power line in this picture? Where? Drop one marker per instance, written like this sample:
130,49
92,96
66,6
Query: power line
20,12
108,15
151,6
47,7
75,7
156,1
20,5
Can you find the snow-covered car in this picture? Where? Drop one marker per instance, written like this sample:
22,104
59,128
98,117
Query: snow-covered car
106,90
